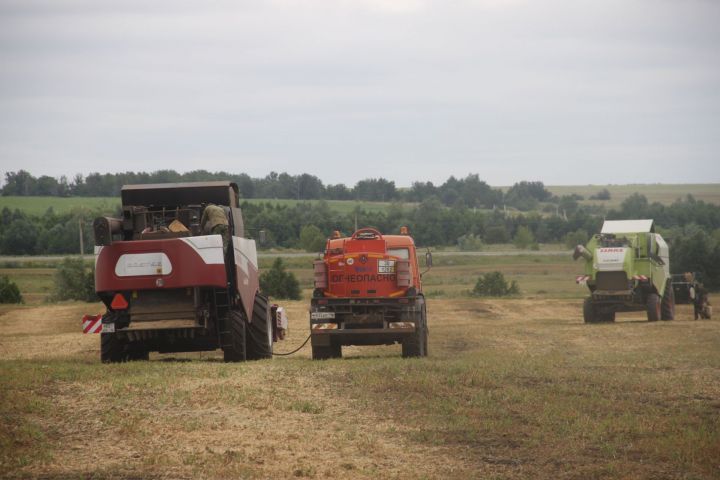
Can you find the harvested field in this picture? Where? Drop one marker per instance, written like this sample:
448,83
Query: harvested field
515,388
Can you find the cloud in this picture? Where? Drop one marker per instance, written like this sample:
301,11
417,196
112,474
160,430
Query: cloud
406,89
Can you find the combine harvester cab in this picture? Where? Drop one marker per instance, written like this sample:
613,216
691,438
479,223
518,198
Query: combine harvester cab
170,287
627,268
368,291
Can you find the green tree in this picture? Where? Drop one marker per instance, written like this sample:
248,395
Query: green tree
279,283
493,284
375,189
496,234
523,237
427,222
635,206
696,251
578,237
312,239
20,183
568,204
419,191
603,194
526,195
19,238
470,243
74,281
338,192
9,291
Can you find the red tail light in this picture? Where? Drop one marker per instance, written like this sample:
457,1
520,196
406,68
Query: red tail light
320,274
402,270
119,302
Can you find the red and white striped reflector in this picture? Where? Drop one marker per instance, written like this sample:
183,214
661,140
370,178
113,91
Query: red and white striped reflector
92,323
642,278
581,279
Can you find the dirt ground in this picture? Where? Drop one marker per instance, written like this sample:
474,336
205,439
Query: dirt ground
192,416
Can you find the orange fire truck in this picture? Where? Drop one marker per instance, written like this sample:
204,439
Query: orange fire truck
368,291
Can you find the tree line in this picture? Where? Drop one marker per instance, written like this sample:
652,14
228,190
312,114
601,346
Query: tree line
468,192
692,227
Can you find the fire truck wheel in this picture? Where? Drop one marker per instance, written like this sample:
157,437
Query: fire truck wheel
653,307
259,339
323,353
234,349
667,309
426,331
112,350
415,345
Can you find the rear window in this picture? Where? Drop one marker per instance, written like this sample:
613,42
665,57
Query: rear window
399,252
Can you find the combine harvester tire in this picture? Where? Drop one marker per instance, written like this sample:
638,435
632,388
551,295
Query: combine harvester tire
259,332
653,307
667,309
234,351
112,350
591,315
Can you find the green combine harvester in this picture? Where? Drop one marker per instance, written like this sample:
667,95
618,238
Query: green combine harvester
627,269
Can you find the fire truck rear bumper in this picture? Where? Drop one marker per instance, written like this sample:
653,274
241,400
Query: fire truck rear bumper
361,336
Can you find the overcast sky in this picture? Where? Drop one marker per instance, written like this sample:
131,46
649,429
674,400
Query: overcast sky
566,92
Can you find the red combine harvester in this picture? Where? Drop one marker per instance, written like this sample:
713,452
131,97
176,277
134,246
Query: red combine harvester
170,286
368,291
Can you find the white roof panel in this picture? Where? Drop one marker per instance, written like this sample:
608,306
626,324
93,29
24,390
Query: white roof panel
627,226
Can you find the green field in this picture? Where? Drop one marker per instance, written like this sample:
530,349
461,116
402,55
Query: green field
39,205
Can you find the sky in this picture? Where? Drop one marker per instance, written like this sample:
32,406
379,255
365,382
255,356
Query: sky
567,92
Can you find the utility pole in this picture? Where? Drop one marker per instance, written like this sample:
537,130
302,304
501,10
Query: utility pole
80,230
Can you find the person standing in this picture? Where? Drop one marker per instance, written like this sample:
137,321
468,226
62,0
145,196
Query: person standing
214,221
700,302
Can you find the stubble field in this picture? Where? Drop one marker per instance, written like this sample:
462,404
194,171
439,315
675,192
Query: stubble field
512,388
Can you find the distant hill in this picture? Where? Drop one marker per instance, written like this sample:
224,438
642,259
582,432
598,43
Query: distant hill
663,193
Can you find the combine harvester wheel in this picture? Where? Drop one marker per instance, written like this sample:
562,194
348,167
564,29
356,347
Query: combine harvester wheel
259,339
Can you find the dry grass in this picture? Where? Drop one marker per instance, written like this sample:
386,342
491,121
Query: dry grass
35,284
515,388
544,276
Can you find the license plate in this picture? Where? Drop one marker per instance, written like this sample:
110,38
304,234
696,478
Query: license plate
108,328
386,266
322,315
